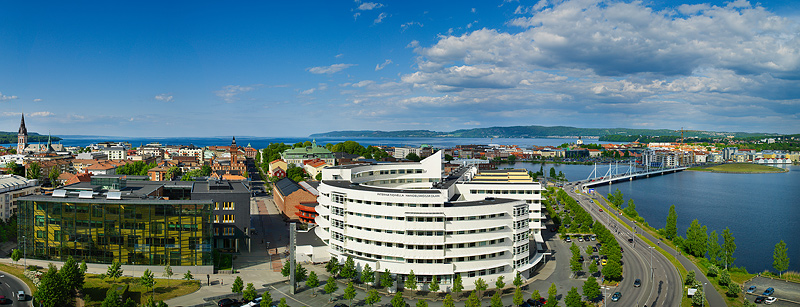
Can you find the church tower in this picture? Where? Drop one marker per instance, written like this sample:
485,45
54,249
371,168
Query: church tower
22,136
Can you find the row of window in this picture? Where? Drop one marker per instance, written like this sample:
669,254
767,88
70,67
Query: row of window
388,172
426,233
228,205
500,192
339,237
423,261
419,219
226,218
406,180
521,249
341,199
226,231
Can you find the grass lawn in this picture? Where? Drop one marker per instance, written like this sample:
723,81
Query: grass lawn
17,270
95,288
740,168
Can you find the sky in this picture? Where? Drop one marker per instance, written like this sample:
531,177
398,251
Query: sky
293,68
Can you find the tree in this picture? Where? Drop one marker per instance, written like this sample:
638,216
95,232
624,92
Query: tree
331,267
330,286
411,281
300,273
733,290
147,280
613,270
593,267
53,176
630,210
238,285
535,295
616,199
695,239
372,297
518,298
591,289
72,275
698,297
500,284
552,293
386,279
728,247
51,291
434,285
266,299
312,282
286,269
168,272
34,170
552,172
712,271
350,292
114,271
83,266
249,292
349,268
671,229
422,303
283,303
413,157
188,275
725,278
573,299
16,255
714,250
473,300
318,177
780,258
690,278
448,157
448,301
574,264
457,285
496,300
15,168
480,286
517,281
367,275
398,301
112,299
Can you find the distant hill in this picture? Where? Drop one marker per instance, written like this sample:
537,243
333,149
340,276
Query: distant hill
538,132
11,138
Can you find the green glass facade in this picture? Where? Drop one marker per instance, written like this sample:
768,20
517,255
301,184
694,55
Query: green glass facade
141,232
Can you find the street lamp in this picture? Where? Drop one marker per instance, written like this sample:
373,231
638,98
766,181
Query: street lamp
703,297
652,270
24,244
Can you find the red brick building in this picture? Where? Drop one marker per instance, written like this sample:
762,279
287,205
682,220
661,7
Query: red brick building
295,202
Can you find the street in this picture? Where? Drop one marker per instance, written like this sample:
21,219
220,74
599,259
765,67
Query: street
9,287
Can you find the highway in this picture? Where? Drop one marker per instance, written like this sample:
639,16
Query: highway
661,287
9,287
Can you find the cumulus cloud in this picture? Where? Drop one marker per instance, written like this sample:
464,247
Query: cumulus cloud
368,6
332,69
7,97
164,97
409,24
380,18
42,114
37,100
382,65
230,93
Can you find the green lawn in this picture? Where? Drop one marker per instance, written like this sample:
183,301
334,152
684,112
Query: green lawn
17,271
95,288
740,168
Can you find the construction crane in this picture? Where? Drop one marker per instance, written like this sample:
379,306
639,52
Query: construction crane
683,130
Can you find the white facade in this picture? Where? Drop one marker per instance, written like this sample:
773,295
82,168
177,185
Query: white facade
11,188
116,153
409,216
18,159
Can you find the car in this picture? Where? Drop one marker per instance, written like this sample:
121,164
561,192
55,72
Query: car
567,239
580,239
21,295
594,249
637,283
553,229
616,296
769,291
254,303
770,300
759,299
340,305
604,262
594,238
603,257
5,300
630,240
587,238
594,257
752,289
525,304
601,209
599,245
580,258
227,302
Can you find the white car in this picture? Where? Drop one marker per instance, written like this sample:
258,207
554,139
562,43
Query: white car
253,303
770,300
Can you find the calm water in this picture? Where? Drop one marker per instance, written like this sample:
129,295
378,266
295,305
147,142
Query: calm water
759,209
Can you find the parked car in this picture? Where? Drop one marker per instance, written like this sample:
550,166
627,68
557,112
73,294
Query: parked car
752,289
525,304
227,302
759,299
637,283
769,291
594,238
580,239
594,249
601,209
567,239
616,296
21,295
587,238
5,300
254,303
604,262
580,258
770,300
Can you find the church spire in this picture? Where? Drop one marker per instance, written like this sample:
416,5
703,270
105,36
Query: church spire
22,129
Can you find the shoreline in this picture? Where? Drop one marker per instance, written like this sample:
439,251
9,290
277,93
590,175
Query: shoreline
768,170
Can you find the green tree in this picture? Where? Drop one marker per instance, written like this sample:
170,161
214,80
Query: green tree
593,267
613,269
535,295
496,300
552,172
114,271
499,283
671,230
413,157
411,281
249,292
83,266
518,298
367,274
630,210
330,286
517,281
422,303
168,272
695,239
350,292
312,282
728,247
283,303
238,285
552,293
712,271
16,255
573,299
574,264
780,258
34,170
480,286
72,275
448,157
714,250
434,285
266,299
331,267
349,268
112,299
724,278
286,269
386,279
591,289
473,300
733,290
698,297
458,286
616,199
690,278
147,280
188,275
398,301
15,169
52,291
300,273
448,301
372,297
53,176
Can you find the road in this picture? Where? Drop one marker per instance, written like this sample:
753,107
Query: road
661,287
9,287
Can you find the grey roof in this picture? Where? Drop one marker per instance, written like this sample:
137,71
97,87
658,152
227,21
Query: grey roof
287,186
355,186
309,238
487,201
219,186
344,155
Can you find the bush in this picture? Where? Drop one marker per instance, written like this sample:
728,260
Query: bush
712,271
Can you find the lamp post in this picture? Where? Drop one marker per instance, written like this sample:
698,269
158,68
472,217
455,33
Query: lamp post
703,297
24,244
652,270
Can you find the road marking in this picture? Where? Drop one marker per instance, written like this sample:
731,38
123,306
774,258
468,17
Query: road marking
286,295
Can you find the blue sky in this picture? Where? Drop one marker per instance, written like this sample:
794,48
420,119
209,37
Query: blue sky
194,68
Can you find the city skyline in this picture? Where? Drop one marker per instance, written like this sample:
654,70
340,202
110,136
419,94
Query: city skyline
294,69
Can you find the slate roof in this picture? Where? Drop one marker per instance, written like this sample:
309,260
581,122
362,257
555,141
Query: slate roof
287,186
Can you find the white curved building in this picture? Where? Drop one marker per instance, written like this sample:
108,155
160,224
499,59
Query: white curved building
409,216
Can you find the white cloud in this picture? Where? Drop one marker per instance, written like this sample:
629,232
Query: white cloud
368,6
407,25
380,18
363,83
6,97
332,69
37,100
42,114
382,65
355,16
164,97
473,10
229,93
339,55
308,91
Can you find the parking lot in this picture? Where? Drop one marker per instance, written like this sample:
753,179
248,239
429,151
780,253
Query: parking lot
583,244
788,293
